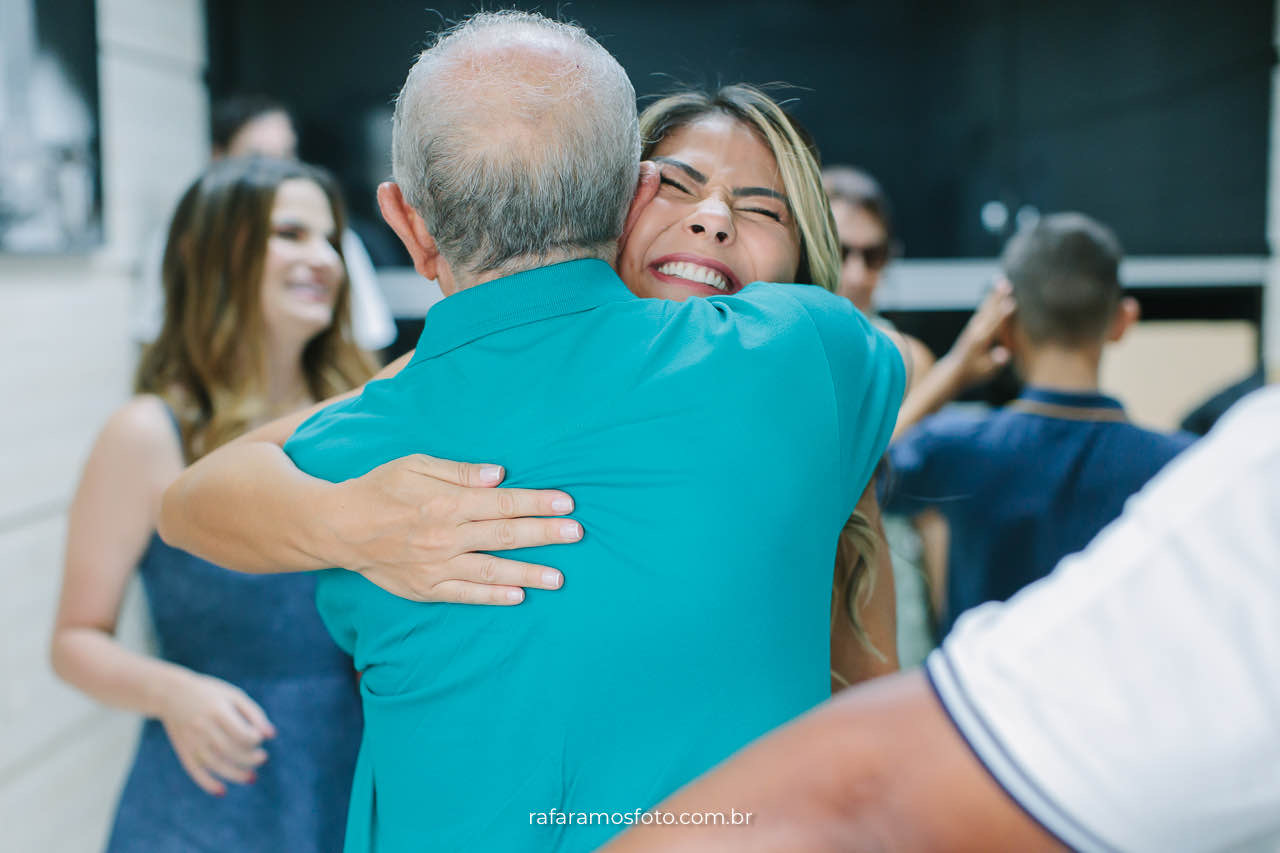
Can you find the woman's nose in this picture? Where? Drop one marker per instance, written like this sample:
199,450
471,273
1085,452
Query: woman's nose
855,267
713,219
322,254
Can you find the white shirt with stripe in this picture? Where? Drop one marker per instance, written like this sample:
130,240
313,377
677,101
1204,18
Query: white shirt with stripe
1131,700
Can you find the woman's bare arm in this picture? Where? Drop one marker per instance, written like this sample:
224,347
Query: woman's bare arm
108,527
412,526
851,660
216,730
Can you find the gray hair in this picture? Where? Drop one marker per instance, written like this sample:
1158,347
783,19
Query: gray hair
515,138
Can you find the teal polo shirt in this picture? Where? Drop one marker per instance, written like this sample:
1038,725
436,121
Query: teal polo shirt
713,447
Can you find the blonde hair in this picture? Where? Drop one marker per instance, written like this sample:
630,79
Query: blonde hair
208,362
799,166
793,149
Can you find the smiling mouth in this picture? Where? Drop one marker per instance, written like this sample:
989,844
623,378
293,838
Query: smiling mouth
311,291
695,273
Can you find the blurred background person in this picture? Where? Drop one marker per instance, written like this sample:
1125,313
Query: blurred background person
244,125
247,125
864,227
247,688
1025,486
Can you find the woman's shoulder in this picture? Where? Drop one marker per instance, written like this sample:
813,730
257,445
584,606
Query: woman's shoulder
143,431
917,358
921,355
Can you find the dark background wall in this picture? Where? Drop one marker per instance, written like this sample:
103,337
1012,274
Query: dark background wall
1151,115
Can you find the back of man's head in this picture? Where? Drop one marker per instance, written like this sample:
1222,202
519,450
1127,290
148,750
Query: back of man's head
1065,275
516,141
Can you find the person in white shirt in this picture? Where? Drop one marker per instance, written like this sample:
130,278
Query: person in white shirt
247,125
1129,701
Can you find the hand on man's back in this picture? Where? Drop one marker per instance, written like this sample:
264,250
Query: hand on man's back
418,526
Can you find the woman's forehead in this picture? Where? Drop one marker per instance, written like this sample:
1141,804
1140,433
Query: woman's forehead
720,143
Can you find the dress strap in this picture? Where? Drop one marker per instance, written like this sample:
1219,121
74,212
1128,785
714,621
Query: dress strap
177,426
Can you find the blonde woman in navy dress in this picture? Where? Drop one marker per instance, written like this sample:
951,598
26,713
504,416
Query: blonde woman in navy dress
252,714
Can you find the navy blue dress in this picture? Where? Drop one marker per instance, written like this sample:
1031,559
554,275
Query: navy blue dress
261,633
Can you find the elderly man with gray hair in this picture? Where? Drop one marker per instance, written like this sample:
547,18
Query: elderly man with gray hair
696,614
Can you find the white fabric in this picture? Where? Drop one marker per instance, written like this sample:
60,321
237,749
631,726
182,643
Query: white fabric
1131,700
371,321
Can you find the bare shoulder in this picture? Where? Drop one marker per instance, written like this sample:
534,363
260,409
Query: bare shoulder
920,352
141,434
916,357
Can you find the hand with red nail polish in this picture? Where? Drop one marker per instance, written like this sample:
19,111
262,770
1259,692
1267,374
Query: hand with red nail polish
216,730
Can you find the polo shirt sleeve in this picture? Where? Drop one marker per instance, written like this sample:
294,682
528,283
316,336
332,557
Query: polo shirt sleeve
1128,701
911,471
867,377
934,462
321,444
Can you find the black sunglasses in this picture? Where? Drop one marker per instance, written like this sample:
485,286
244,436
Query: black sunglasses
874,257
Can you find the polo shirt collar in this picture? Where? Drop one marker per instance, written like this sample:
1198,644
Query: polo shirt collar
514,300
1073,399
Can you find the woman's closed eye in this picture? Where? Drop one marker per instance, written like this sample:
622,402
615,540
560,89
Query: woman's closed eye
764,211
671,182
289,232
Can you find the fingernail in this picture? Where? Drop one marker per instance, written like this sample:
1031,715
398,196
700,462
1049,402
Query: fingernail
515,595
490,473
571,531
253,777
221,792
562,504
551,579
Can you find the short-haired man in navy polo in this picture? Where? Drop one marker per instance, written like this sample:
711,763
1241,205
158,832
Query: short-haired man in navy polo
1035,481
714,449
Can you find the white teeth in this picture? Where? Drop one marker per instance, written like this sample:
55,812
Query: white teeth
695,272
316,291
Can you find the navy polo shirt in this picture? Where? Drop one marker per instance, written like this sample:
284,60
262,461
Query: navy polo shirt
713,448
1022,487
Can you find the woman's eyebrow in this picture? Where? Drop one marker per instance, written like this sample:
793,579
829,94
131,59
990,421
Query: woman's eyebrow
738,192
742,192
684,167
765,191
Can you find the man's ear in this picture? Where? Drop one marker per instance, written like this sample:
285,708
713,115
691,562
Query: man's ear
410,228
646,189
1128,312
